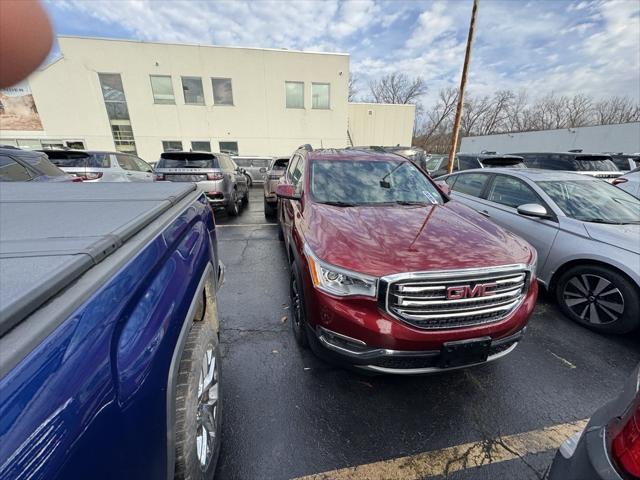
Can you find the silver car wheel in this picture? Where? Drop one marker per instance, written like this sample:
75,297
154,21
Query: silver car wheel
207,414
593,298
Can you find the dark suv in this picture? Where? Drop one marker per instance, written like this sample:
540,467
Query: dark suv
467,161
389,275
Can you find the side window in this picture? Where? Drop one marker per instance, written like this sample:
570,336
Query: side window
451,180
511,192
243,162
470,183
126,162
142,165
291,168
297,175
226,163
467,163
12,171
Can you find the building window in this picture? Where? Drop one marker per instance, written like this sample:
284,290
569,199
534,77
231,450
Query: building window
222,91
229,147
117,111
171,146
201,146
192,88
162,89
295,94
320,96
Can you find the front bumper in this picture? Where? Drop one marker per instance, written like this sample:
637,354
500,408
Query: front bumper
403,362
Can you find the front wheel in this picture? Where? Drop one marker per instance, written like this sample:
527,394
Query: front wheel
599,298
198,405
298,309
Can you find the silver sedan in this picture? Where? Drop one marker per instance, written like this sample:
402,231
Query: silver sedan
586,232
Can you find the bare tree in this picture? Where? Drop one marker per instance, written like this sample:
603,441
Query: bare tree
435,133
616,110
397,88
353,89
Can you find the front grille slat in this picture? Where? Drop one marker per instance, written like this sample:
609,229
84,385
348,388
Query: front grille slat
421,299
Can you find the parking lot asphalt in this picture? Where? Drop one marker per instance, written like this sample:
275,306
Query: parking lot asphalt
287,414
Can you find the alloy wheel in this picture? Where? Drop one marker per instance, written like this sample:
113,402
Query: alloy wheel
593,298
207,413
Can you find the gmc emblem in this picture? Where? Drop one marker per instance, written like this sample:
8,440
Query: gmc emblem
466,291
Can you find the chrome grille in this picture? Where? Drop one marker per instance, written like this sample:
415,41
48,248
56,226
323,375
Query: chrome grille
185,178
456,298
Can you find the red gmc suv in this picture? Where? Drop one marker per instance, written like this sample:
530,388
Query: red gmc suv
390,275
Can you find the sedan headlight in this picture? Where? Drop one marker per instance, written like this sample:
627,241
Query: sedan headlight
338,281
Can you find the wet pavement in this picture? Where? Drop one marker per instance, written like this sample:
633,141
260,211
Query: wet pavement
287,414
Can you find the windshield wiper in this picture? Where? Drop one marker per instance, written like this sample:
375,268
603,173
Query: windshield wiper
340,204
408,202
602,220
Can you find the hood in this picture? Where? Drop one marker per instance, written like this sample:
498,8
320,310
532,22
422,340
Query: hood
384,240
622,236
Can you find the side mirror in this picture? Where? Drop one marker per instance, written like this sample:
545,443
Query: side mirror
444,186
288,191
533,210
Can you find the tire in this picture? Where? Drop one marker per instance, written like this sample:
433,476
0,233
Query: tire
232,209
599,298
298,308
245,199
249,181
280,233
269,210
198,408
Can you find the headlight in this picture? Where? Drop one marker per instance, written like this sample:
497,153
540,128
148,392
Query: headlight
338,281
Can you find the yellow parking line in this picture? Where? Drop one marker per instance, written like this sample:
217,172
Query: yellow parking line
459,457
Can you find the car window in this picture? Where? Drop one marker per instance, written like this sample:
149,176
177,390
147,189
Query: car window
260,162
243,162
467,163
79,159
450,180
12,171
142,165
592,200
511,192
470,183
188,160
280,163
371,182
126,162
621,162
292,166
42,164
297,175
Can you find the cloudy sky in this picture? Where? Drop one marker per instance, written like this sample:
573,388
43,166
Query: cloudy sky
572,46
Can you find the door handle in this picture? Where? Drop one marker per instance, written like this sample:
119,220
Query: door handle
485,213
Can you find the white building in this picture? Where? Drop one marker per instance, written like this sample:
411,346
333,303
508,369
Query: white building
624,137
149,97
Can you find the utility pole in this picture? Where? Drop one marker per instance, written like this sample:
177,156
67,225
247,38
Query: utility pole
463,83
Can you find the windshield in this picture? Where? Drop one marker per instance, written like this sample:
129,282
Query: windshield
593,201
503,163
594,164
622,161
369,182
79,159
187,160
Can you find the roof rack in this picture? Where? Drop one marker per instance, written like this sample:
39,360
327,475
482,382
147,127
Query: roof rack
575,150
306,147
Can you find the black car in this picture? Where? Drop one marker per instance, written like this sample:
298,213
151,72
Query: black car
468,161
609,446
18,165
595,164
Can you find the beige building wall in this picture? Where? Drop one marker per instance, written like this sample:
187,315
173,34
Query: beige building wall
69,99
381,124
70,102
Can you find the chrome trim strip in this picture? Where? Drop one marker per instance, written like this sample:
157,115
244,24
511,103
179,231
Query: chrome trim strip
419,303
437,283
455,273
417,371
343,337
460,312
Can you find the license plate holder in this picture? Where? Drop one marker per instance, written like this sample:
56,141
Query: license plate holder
464,352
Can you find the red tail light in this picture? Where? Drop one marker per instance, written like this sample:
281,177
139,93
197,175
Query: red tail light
91,176
626,444
214,176
159,177
619,180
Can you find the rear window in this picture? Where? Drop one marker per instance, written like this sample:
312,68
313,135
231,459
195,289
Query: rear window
187,160
43,165
79,159
594,163
622,161
503,163
281,163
